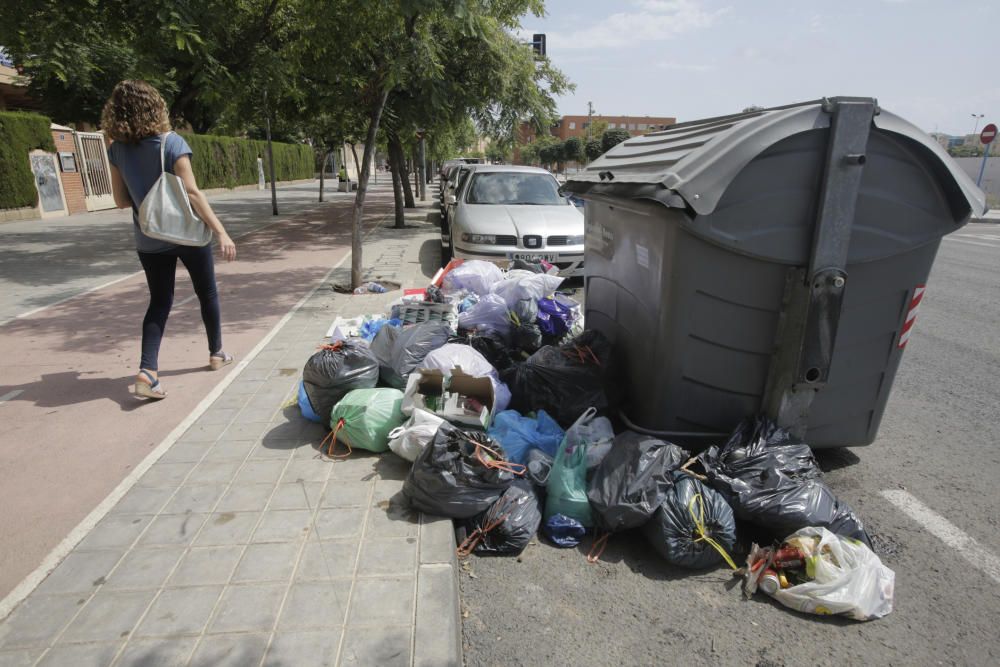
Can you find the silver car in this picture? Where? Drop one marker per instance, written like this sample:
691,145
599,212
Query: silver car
505,212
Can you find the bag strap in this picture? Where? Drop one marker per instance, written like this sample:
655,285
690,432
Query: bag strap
163,150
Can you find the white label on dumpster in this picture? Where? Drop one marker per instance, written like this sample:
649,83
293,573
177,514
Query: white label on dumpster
642,255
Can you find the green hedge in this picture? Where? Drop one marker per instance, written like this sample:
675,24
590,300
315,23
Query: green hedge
21,133
225,162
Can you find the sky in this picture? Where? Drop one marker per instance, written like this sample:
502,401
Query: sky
933,62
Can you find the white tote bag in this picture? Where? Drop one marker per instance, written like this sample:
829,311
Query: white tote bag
166,214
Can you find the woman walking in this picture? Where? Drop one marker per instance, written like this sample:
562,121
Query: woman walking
135,118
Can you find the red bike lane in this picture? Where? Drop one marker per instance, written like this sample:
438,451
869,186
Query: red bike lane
70,429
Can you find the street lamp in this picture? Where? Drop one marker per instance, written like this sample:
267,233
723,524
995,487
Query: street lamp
978,117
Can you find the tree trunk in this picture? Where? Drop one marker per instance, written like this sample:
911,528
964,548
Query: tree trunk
357,228
357,167
399,158
322,172
270,160
397,191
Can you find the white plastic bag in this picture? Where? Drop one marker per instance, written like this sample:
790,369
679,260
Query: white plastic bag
594,432
410,439
472,363
490,315
847,578
520,287
474,275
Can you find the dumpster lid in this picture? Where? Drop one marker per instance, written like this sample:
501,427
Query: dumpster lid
698,159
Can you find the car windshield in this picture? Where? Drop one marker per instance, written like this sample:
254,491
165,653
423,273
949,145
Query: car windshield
514,188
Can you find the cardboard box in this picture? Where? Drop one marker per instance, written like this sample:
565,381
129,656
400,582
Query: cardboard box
459,398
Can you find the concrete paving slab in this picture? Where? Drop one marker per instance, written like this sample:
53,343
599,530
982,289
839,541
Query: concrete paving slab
318,649
180,611
81,655
242,543
206,565
248,608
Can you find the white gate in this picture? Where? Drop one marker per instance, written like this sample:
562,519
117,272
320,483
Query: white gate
95,170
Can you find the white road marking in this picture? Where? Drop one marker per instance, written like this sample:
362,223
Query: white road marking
10,396
29,583
944,530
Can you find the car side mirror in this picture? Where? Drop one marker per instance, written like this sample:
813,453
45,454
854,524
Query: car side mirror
451,200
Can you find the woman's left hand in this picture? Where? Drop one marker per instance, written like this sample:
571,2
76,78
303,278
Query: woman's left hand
228,247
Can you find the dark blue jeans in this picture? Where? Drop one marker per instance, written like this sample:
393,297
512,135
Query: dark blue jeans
160,269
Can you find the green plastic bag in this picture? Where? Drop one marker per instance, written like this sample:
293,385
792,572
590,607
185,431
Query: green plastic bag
566,490
364,418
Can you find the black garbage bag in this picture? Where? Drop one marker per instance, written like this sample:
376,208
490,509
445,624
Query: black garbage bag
690,513
527,337
458,475
630,483
400,351
772,480
491,345
506,528
564,381
335,370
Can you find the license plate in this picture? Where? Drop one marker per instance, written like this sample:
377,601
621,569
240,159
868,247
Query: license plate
533,257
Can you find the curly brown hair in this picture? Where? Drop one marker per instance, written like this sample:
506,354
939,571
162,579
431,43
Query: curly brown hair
134,111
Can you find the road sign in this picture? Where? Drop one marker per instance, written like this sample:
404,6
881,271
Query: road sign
538,43
989,133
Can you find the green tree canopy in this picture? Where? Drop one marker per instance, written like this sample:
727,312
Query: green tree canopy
612,138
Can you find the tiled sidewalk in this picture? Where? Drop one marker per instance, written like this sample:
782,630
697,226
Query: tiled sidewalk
243,545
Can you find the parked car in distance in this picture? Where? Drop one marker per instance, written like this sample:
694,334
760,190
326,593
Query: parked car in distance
454,185
508,212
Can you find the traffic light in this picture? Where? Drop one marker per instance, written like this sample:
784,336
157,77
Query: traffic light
538,44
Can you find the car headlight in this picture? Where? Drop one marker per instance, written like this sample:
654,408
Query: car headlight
574,240
488,239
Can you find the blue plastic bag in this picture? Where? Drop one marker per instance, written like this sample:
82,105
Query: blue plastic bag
555,318
563,531
371,327
306,407
518,434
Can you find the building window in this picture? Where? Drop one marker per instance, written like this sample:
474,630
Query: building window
631,126
572,125
642,126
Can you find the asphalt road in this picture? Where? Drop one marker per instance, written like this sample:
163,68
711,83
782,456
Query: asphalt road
937,451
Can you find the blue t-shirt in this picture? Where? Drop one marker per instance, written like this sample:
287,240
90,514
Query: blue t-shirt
139,165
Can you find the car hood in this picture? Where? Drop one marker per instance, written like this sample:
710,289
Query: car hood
520,220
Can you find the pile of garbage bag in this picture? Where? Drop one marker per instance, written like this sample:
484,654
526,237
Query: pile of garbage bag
505,406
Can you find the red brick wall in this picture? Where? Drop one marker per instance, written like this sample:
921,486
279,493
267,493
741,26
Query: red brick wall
72,182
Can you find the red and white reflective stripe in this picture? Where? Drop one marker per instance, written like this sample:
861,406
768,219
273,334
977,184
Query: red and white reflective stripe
911,314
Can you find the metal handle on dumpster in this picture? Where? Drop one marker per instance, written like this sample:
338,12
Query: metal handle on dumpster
813,298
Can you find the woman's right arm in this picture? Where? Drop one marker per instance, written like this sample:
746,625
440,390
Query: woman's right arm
119,189
199,202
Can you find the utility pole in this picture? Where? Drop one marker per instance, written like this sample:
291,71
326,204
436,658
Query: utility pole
590,117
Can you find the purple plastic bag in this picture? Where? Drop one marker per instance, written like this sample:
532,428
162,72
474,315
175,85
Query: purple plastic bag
555,318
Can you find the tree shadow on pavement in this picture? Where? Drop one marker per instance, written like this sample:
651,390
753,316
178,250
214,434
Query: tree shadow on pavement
68,253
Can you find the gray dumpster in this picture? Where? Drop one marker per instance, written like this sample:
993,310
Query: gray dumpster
768,262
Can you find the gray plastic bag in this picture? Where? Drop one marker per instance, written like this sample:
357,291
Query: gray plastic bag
678,528
632,480
450,479
400,351
506,528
